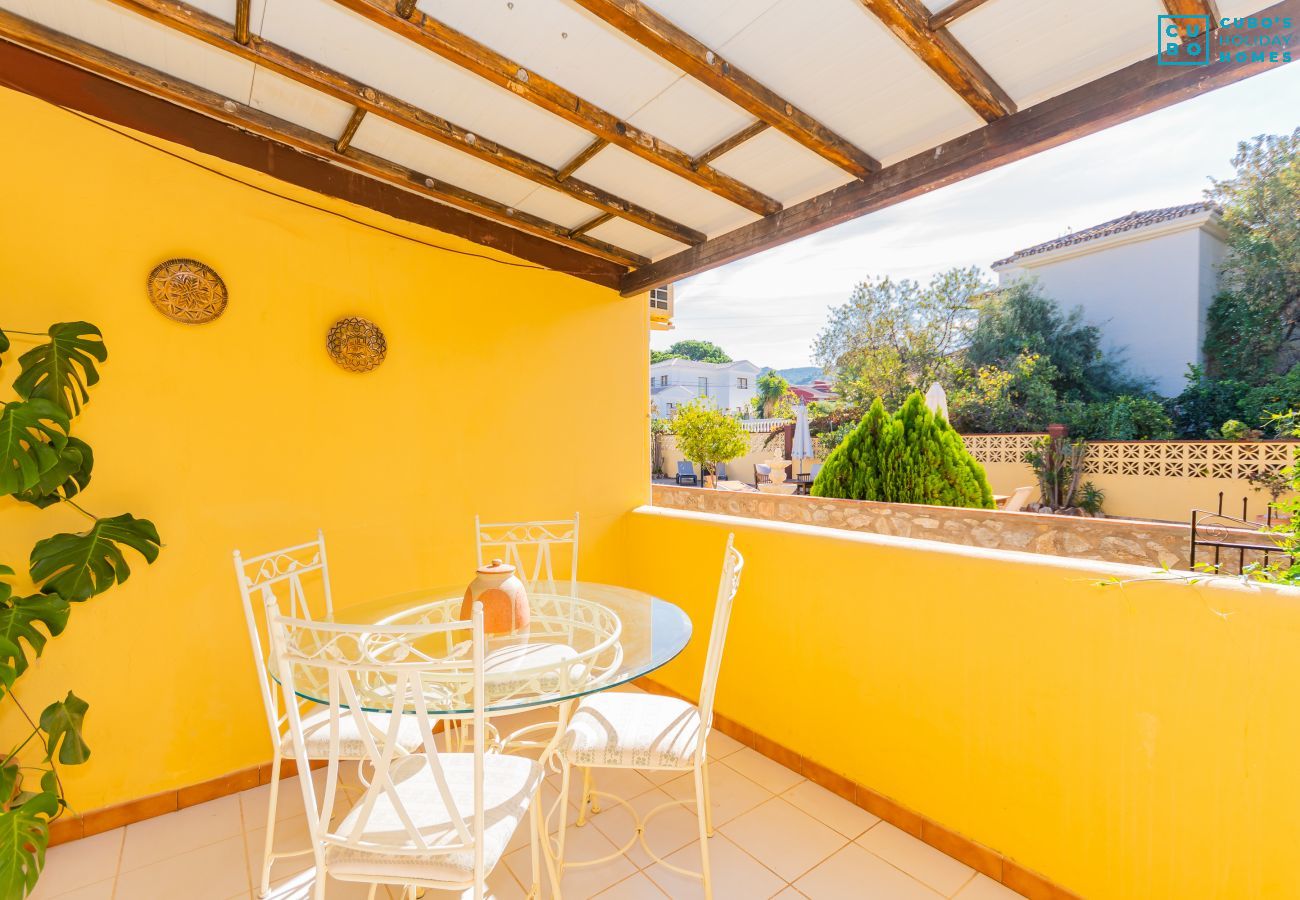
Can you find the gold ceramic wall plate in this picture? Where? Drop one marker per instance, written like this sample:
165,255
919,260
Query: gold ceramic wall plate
188,291
356,344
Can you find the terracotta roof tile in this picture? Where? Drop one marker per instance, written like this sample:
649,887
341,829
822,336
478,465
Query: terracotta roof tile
1114,226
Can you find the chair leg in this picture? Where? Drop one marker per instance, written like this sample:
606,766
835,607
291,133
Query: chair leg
535,838
269,847
586,797
702,815
564,826
708,798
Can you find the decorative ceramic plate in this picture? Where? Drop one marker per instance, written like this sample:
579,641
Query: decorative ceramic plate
188,291
356,344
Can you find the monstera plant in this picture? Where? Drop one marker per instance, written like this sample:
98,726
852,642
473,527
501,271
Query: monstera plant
42,464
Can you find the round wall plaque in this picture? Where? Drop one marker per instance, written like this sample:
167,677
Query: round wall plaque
356,344
188,291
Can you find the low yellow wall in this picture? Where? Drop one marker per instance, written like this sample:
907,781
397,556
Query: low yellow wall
740,469
242,432
1134,742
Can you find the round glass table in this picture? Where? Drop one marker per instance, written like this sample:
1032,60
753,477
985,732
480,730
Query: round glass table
579,641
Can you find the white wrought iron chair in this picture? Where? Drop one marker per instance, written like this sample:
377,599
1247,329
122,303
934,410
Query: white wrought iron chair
428,819
647,731
531,547
296,580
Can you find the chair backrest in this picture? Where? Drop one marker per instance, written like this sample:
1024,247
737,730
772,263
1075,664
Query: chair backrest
531,547
387,668
1019,497
283,580
720,471
732,564
685,467
762,473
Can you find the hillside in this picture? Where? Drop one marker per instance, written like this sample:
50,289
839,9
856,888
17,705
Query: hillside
800,374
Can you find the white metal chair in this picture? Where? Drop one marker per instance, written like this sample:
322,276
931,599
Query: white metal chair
647,731
296,580
531,547
428,819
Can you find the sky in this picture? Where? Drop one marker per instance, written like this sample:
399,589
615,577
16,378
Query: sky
768,308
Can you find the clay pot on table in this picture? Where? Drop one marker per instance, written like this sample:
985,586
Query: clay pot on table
504,599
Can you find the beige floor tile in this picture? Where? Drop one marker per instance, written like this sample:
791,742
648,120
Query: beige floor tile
303,885
735,873
164,837
766,772
291,834
214,872
670,829
580,843
721,746
854,873
501,885
626,783
847,818
638,887
788,894
254,802
100,890
787,840
79,863
981,887
731,792
917,858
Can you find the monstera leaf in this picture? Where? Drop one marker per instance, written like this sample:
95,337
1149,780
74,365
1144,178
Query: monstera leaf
61,721
63,480
4,342
32,434
79,566
62,369
18,625
6,589
24,835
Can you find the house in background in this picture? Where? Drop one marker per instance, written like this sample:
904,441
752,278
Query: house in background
731,386
1146,279
661,308
819,390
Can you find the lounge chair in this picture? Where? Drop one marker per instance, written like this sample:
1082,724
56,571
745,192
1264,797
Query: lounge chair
686,473
1019,497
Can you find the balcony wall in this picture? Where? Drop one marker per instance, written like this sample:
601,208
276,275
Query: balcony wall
1125,742
243,433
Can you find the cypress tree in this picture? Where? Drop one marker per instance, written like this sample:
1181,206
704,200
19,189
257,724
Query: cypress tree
913,456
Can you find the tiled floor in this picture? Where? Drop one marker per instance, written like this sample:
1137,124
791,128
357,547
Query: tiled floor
778,835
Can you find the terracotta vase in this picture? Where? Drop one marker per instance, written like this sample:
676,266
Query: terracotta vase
505,602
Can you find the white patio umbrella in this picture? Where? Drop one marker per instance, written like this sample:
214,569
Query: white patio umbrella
802,448
937,399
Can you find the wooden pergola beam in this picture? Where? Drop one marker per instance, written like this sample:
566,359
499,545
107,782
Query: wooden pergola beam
203,26
350,130
242,10
731,143
197,99
1136,90
661,37
469,54
945,56
593,223
944,17
584,156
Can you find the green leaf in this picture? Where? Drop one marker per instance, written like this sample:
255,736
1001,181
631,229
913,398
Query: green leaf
6,589
4,342
79,566
10,776
9,651
18,623
24,835
65,479
61,721
32,434
63,368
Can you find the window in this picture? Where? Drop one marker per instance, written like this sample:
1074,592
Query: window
742,382
659,298
704,386
663,381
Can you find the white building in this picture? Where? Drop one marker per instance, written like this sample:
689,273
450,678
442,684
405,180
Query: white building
1146,279
731,386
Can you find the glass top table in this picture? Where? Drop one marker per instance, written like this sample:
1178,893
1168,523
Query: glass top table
578,641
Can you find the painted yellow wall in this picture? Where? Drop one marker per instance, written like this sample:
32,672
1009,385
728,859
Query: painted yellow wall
1133,743
242,433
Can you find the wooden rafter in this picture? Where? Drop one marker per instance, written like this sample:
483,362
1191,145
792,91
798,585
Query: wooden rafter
666,40
1192,8
350,130
944,55
468,53
584,156
242,10
593,223
196,23
731,143
192,97
944,17
1136,90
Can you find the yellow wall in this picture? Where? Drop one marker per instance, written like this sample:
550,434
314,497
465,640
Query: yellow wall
1134,742
242,433
739,469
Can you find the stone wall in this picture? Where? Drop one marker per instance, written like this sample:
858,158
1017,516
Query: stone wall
1155,544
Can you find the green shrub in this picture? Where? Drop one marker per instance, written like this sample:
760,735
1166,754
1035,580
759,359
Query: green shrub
912,456
1206,403
1123,419
1234,430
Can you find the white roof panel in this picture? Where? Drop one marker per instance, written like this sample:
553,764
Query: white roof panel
630,236
691,117
557,207
287,99
781,168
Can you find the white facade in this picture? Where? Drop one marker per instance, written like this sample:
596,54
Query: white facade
1148,285
731,386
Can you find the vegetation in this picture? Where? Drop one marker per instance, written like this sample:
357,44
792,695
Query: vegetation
773,396
1058,465
913,456
707,436
699,351
42,464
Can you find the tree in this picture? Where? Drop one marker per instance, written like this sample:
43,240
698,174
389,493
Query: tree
707,436
699,351
913,456
993,400
894,337
1251,329
772,390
